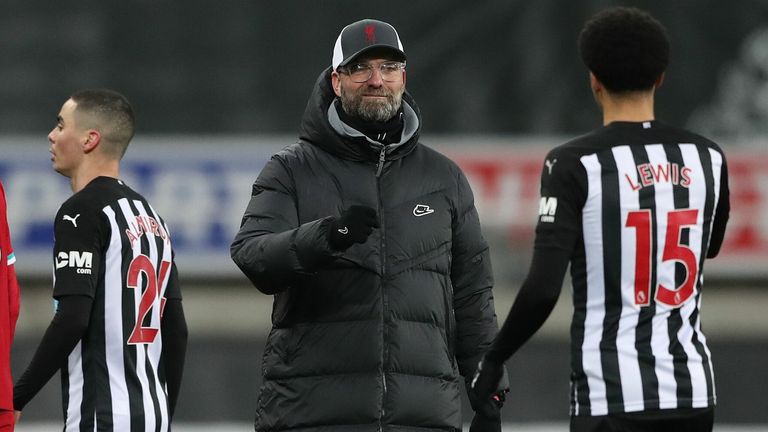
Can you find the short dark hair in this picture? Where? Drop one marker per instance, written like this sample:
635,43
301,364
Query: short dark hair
625,48
110,113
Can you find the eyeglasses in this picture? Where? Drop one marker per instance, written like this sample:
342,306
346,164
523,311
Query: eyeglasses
362,72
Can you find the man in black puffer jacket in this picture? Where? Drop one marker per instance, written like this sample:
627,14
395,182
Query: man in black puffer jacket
371,245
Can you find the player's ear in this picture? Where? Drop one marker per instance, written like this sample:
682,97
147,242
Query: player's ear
595,84
659,81
336,83
92,140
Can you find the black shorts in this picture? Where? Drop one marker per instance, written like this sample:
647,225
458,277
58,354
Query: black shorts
672,420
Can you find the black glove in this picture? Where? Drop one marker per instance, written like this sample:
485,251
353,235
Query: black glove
486,397
354,226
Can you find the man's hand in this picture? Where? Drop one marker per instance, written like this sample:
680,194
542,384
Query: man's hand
354,226
482,423
486,396
487,413
485,384
16,416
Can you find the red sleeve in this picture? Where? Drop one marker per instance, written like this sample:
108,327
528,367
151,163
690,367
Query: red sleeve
9,306
9,257
13,300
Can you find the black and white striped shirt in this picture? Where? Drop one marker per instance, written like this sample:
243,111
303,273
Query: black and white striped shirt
112,246
644,205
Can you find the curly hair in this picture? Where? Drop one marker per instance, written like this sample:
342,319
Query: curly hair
625,48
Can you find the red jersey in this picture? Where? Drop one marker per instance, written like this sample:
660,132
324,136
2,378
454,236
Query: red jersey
9,306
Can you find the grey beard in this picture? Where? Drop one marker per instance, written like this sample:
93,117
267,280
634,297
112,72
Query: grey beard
354,105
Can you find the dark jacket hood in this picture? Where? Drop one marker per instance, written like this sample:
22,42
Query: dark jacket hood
321,126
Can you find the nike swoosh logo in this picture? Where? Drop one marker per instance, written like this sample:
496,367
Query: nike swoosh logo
422,210
343,230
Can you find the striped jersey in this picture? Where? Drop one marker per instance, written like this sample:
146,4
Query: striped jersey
111,245
647,204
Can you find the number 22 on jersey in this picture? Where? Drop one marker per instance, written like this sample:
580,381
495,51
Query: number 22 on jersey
673,251
142,264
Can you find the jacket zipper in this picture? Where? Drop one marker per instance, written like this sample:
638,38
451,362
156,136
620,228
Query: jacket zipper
380,166
384,305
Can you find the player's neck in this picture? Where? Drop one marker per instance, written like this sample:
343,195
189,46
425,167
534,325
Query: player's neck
89,171
634,107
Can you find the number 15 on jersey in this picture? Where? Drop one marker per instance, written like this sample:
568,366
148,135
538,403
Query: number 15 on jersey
674,250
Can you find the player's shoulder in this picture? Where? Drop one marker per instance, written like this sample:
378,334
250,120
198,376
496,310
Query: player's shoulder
571,151
685,136
76,213
569,156
82,201
96,195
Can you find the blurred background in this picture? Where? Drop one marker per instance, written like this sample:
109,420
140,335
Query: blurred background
220,86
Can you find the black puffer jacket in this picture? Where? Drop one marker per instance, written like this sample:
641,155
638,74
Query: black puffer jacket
374,338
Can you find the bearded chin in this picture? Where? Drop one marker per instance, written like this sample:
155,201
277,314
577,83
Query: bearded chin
377,111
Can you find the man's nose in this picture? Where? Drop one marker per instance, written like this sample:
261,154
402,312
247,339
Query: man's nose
375,79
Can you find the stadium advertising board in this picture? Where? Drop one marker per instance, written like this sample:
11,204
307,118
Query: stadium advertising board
202,185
